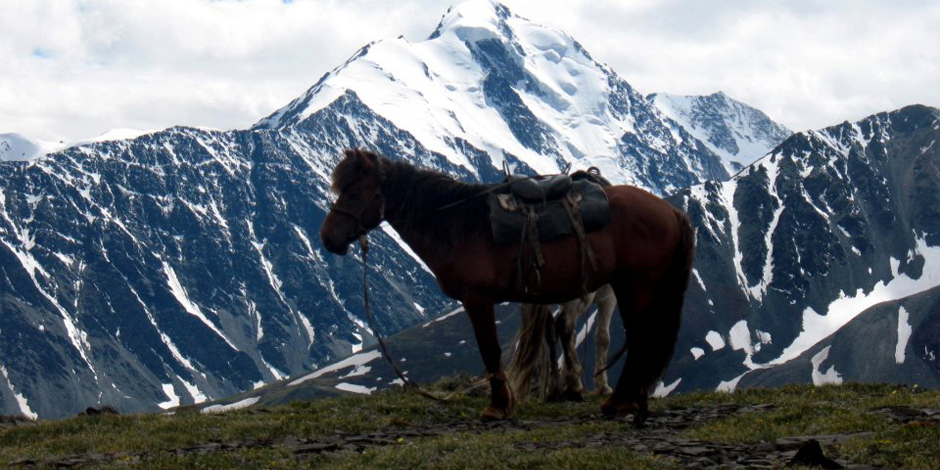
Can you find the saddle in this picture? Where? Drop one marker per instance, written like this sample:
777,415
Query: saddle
530,210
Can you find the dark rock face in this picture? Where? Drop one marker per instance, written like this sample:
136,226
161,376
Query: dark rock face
183,263
842,213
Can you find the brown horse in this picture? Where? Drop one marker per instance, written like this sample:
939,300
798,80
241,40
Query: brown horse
645,254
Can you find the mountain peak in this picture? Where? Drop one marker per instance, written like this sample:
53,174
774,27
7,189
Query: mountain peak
737,132
469,18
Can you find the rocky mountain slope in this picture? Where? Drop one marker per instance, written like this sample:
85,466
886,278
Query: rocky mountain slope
738,133
184,265
828,225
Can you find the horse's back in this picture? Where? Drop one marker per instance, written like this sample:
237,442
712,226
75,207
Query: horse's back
646,230
642,212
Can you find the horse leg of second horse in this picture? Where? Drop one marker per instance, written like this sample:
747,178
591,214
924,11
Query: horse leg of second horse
483,319
606,302
567,321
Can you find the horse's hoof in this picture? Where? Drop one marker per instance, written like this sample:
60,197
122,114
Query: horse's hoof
571,395
604,392
491,413
613,409
639,419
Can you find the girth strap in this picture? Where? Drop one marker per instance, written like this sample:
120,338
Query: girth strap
530,237
587,253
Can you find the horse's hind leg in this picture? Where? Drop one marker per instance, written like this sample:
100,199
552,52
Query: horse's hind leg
570,312
502,402
651,320
606,302
550,377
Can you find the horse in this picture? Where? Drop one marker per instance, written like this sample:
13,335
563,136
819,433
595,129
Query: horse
645,254
536,324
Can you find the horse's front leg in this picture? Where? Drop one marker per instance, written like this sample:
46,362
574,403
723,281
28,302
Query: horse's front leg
502,402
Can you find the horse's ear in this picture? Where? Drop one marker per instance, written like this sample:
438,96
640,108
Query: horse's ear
369,159
366,159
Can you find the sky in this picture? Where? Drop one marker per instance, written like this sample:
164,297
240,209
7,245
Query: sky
74,69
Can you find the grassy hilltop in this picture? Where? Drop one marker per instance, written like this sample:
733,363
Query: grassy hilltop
859,426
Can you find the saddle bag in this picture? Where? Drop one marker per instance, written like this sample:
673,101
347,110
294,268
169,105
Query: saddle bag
528,202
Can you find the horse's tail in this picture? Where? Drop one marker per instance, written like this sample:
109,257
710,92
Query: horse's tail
672,295
685,255
529,343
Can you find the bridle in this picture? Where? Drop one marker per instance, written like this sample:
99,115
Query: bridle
357,213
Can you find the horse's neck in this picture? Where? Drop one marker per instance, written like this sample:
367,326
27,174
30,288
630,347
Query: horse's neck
410,226
417,243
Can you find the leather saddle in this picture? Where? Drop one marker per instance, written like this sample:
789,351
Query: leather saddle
530,202
540,190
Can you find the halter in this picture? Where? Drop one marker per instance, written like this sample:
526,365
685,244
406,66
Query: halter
356,214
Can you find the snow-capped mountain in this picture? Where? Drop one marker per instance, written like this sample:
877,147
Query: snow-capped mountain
15,147
828,225
489,86
184,265
736,132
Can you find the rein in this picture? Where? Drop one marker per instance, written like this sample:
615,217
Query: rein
406,382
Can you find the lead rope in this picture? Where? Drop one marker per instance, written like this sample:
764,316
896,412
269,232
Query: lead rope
406,382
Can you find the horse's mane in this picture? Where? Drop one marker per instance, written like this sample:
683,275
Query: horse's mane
417,198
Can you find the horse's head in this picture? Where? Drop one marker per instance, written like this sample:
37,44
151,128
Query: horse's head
360,205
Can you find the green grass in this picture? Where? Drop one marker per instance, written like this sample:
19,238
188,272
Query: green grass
492,452
150,441
846,409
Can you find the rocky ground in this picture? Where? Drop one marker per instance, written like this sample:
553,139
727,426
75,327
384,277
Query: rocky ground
662,436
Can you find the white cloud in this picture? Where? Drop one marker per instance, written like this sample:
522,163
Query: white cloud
73,70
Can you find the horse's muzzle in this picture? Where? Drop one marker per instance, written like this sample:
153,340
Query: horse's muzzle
333,241
335,246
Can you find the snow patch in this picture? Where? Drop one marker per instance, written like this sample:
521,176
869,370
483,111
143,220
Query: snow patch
198,396
663,390
348,387
404,246
715,340
904,335
174,399
729,386
830,376
191,308
352,361
741,337
20,399
699,279
443,317
230,407
697,353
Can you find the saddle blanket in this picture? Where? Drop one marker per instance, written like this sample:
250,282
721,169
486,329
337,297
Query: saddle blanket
508,214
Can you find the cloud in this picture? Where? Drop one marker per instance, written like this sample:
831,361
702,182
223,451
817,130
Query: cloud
73,70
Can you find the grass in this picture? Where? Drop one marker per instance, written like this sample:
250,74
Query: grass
151,440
